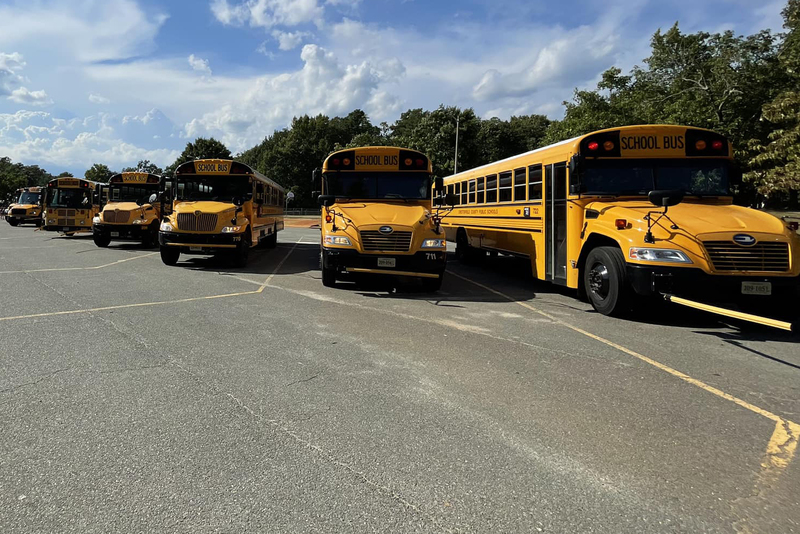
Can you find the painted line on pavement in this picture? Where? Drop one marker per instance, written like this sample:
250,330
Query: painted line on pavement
139,256
783,442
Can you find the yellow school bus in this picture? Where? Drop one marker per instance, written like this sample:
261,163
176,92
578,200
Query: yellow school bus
27,207
377,216
71,204
131,212
637,210
221,206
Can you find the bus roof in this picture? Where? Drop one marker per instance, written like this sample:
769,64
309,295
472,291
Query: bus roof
212,167
135,178
377,158
576,142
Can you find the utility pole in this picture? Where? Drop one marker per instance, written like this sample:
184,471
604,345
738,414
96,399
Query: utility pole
455,163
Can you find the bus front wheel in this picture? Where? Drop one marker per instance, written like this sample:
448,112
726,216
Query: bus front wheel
243,252
101,240
465,253
170,256
605,280
13,222
272,240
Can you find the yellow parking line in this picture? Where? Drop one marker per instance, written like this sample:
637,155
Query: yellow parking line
80,268
783,442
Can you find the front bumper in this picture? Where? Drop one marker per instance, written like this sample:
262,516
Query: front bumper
425,264
66,229
199,243
693,282
24,218
133,232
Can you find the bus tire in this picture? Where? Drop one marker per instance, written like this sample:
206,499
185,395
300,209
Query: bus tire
272,240
465,253
13,222
605,280
150,238
243,252
329,277
101,240
170,256
432,285
39,223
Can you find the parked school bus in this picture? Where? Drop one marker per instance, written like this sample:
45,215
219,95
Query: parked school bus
131,212
27,207
638,210
220,206
378,218
71,204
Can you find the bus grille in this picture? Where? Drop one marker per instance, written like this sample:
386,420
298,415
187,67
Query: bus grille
119,217
205,222
374,241
19,211
66,222
66,213
761,257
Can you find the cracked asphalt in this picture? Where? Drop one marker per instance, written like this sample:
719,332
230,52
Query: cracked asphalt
136,397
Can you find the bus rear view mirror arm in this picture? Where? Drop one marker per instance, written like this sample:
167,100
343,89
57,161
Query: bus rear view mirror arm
661,198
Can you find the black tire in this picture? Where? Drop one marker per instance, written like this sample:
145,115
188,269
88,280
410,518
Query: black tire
432,285
328,277
13,222
272,240
150,238
465,253
170,256
101,240
242,254
606,281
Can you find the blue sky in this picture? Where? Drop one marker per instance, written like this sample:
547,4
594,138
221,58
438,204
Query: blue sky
116,81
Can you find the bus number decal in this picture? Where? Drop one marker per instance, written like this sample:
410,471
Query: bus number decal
431,256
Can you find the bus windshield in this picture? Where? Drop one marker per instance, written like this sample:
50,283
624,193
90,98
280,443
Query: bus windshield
218,188
69,198
378,185
131,193
29,198
639,177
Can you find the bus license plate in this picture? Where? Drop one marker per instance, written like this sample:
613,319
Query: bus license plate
114,234
195,249
387,262
66,228
757,288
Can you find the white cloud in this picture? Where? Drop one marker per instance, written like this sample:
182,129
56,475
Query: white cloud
97,99
10,66
322,85
34,98
200,65
268,13
289,40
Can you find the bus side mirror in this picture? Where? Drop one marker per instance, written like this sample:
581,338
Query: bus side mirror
665,198
316,174
238,202
152,198
735,174
326,200
315,194
576,164
438,183
450,199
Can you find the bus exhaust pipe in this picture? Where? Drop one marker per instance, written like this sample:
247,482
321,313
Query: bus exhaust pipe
765,321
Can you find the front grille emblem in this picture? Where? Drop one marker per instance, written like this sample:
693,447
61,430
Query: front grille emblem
744,240
386,230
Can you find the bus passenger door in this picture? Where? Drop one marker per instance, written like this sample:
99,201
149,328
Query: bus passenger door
555,223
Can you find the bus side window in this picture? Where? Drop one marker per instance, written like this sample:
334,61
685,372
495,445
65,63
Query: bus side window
472,191
481,186
491,188
259,193
519,185
505,187
464,192
535,182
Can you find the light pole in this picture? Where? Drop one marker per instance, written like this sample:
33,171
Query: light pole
455,162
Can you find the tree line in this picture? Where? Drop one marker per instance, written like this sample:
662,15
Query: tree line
745,87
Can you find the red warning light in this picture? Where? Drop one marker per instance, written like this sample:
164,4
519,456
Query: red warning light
593,145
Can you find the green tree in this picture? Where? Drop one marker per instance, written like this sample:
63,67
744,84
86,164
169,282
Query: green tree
145,166
200,148
64,174
775,162
11,178
98,173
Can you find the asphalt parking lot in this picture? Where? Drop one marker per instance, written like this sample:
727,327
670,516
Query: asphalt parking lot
137,397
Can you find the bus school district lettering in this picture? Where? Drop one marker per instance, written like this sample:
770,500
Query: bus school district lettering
652,142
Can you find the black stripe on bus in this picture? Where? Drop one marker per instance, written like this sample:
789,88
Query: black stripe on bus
518,217
534,230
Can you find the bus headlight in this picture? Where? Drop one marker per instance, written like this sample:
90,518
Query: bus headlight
51,221
434,243
139,221
166,227
96,219
231,229
337,240
665,255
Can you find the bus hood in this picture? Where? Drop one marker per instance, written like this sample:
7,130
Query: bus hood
123,206
22,206
384,213
693,217
204,206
